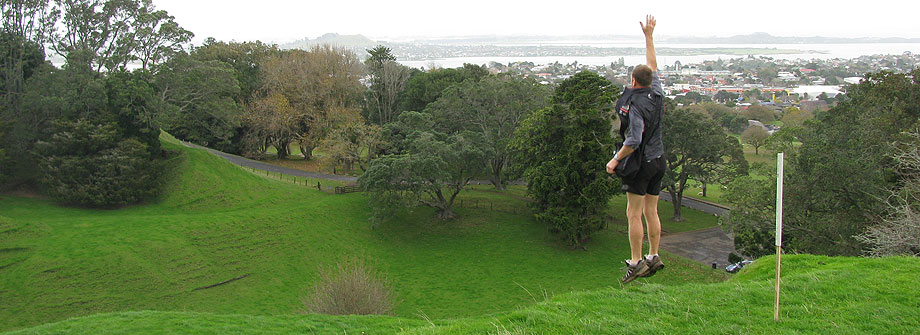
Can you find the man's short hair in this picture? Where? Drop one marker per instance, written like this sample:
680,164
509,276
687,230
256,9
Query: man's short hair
643,75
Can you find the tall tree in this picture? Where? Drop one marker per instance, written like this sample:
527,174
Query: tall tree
351,141
434,169
493,107
27,25
756,137
246,59
157,36
116,32
426,87
207,114
317,83
838,179
560,152
695,147
273,121
387,79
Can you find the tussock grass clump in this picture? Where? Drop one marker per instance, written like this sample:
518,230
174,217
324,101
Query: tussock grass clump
350,288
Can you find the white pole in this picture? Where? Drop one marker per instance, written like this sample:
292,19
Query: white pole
779,228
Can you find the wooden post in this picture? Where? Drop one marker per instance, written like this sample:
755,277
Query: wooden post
779,229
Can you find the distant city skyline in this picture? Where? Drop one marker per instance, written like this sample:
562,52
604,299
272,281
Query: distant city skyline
282,21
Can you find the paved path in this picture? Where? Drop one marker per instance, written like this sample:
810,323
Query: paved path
243,161
697,204
705,246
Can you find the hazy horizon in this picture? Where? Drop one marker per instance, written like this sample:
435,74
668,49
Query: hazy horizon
281,21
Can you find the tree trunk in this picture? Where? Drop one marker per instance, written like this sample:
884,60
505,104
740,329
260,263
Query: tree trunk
704,190
677,200
445,214
283,149
496,177
307,152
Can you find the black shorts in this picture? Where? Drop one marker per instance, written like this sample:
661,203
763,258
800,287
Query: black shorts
649,179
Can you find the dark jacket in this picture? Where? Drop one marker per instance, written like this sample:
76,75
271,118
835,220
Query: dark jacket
640,111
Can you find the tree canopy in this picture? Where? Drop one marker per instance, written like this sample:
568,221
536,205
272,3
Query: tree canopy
493,107
837,180
697,148
560,152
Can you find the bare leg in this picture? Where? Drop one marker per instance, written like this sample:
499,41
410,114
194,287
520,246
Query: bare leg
654,224
634,206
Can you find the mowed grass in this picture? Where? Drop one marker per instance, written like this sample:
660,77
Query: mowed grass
820,295
216,221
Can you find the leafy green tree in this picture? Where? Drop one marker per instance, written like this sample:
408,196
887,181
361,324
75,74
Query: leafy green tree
395,137
759,113
352,141
784,140
756,137
115,32
734,122
433,171
86,164
426,87
837,180
713,110
26,26
208,114
387,79
493,107
246,59
560,152
691,98
752,219
695,148
157,36
725,96
795,117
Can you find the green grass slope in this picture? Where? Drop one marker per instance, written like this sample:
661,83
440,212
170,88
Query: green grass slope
821,295
216,221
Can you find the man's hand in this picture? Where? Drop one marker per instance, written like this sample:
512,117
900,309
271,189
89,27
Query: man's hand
649,27
612,165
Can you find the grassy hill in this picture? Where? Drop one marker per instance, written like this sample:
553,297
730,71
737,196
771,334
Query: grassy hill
821,295
216,221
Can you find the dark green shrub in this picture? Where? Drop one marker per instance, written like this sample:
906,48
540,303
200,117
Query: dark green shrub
86,164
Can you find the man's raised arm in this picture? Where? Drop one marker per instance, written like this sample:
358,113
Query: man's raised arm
648,28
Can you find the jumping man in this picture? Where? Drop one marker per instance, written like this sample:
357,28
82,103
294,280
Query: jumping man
640,111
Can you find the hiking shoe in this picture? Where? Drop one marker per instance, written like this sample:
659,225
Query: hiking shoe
654,265
634,271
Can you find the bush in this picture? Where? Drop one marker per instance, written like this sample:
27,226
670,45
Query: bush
350,288
85,164
898,232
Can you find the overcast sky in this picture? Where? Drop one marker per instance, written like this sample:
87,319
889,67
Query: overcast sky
283,21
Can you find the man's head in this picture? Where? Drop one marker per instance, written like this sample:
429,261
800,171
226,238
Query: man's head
642,76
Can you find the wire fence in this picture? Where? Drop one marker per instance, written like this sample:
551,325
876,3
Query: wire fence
335,187
316,183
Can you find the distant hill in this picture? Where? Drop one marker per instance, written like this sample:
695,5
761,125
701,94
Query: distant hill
354,42
765,38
